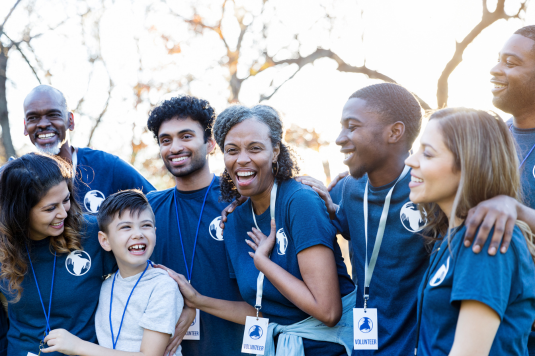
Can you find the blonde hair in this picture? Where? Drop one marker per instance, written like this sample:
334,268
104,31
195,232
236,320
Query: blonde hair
484,152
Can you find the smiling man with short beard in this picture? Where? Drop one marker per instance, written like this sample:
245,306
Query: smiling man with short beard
47,123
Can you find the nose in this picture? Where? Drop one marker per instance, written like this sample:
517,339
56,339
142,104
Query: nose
43,122
62,212
412,161
243,158
176,147
496,71
342,138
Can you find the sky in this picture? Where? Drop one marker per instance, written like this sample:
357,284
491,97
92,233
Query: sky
410,41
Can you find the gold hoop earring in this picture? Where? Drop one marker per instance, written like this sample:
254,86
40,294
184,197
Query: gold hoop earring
272,169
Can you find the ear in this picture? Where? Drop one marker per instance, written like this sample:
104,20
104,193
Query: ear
396,131
70,121
104,241
25,131
211,145
276,152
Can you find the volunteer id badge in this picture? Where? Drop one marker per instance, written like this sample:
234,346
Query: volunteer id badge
194,330
254,336
365,329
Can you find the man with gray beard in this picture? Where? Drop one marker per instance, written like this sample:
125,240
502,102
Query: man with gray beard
47,123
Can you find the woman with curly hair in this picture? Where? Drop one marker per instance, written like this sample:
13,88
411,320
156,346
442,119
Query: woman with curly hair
306,294
470,304
52,265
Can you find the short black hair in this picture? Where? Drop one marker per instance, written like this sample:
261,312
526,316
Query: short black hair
182,107
528,32
132,200
394,103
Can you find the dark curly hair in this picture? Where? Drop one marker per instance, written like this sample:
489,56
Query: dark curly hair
23,183
394,103
269,116
182,107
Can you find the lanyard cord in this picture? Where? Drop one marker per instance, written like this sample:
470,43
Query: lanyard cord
260,279
369,268
189,272
47,316
421,302
113,339
74,163
525,158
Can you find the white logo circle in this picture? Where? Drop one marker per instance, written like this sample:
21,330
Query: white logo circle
440,275
215,231
92,200
78,263
411,218
282,242
534,171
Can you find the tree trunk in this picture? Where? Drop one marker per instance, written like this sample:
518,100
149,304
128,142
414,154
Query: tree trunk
4,117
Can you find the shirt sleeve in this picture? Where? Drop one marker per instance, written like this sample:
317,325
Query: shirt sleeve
164,308
484,278
309,221
340,221
129,177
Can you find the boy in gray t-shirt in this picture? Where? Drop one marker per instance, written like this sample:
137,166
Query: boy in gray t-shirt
139,306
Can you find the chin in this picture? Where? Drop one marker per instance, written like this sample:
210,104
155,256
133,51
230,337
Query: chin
358,172
51,149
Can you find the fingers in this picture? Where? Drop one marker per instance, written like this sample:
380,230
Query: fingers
173,345
273,228
251,245
497,236
473,220
507,237
336,180
484,230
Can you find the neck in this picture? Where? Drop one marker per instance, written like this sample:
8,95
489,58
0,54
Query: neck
127,270
196,180
525,120
66,151
446,207
388,171
261,201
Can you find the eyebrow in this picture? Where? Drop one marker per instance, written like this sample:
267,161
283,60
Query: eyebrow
54,204
45,111
164,134
345,119
510,55
428,145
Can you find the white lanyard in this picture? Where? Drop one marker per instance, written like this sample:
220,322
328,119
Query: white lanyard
260,279
74,163
368,269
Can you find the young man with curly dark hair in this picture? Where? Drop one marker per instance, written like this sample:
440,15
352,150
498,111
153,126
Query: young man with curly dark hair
189,239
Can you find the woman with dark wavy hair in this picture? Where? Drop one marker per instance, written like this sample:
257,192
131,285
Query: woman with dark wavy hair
282,232
51,261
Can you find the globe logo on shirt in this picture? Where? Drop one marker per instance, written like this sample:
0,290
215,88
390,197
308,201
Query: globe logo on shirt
92,200
441,274
411,219
282,242
255,332
215,231
78,263
365,325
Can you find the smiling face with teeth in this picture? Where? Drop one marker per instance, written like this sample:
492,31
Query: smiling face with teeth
513,77
132,238
47,218
47,120
434,178
249,157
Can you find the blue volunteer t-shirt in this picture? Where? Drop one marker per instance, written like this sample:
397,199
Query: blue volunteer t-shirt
99,174
504,282
210,270
525,140
401,263
77,282
302,222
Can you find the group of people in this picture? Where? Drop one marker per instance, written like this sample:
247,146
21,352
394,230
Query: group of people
94,261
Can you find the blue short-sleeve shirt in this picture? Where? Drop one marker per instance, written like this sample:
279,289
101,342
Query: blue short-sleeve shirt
99,174
210,274
504,282
401,263
302,222
77,283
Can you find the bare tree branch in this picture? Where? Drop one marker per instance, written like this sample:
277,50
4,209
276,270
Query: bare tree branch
267,97
487,19
23,56
9,15
99,118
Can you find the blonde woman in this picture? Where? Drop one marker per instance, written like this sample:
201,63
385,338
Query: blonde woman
470,304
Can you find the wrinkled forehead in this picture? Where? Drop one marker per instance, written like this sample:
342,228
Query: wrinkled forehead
249,130
43,101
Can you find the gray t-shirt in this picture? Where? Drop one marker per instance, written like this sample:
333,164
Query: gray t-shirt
525,140
156,304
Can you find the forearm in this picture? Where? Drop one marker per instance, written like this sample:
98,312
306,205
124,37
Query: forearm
296,291
526,214
86,348
225,309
